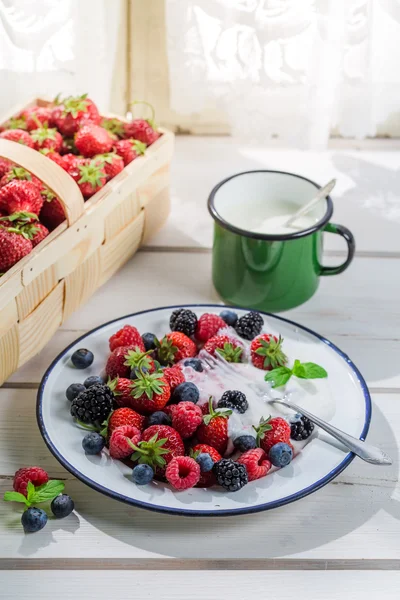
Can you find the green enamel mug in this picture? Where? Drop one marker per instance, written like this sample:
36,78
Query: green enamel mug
258,261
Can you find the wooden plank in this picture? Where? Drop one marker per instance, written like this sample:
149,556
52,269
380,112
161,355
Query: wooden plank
9,352
82,283
33,294
8,316
121,216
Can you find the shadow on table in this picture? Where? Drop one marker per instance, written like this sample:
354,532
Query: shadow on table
328,515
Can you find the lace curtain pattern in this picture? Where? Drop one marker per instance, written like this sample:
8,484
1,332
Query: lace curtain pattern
293,69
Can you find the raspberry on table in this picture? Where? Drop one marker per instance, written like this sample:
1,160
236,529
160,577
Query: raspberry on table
231,475
119,445
183,320
127,336
256,463
36,475
183,472
249,325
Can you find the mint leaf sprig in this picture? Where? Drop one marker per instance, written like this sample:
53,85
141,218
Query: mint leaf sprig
308,370
34,495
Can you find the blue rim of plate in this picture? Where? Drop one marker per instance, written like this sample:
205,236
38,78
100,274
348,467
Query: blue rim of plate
196,513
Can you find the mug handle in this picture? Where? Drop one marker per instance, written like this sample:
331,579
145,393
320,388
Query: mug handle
351,245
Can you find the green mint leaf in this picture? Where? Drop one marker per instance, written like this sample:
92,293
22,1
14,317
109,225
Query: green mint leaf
30,491
278,376
48,491
299,370
311,370
15,497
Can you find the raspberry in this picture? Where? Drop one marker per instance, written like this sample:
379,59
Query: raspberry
186,418
174,376
36,475
119,446
208,325
272,431
256,463
125,416
127,336
169,409
183,472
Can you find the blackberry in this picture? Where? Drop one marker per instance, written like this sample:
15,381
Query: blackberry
231,475
249,325
93,405
234,400
301,428
183,320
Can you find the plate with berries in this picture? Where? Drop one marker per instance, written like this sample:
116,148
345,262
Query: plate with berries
171,409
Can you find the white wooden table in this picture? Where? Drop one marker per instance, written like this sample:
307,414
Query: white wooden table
333,543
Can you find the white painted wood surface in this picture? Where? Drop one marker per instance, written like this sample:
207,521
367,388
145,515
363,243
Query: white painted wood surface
353,523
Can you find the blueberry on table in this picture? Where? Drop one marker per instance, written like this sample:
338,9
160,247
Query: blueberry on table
33,519
159,418
280,454
205,462
229,317
149,341
195,363
142,474
82,358
74,390
92,380
93,443
62,506
185,392
245,442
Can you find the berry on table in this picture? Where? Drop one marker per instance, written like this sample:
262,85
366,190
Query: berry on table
208,325
235,400
280,454
186,418
142,474
149,341
62,506
194,363
229,316
35,475
249,325
122,441
127,336
186,392
93,443
33,519
245,442
93,405
231,475
205,462
74,390
92,380
159,418
300,427
266,352
256,463
183,320
183,472
82,358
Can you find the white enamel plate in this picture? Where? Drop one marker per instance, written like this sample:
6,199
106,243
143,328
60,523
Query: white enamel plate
318,463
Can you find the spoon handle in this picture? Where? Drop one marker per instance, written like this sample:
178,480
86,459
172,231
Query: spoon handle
365,451
322,193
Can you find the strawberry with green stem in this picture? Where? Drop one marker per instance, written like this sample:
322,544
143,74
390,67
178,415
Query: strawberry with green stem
266,352
71,113
111,163
175,346
214,429
90,178
46,137
150,392
129,149
143,130
113,125
271,431
22,175
226,346
159,445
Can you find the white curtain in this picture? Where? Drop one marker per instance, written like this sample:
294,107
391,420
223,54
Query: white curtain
51,46
293,69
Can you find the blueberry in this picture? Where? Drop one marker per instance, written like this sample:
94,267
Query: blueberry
142,474
62,506
33,519
159,418
74,390
229,317
185,392
93,380
93,443
82,359
280,455
205,461
195,363
149,341
245,442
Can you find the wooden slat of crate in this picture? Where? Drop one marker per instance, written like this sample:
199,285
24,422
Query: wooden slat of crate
8,316
9,352
123,214
82,283
157,182
37,329
33,294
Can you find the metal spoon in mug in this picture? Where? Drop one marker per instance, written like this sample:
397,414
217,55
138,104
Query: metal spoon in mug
367,452
321,194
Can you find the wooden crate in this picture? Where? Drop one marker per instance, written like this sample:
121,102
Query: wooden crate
98,236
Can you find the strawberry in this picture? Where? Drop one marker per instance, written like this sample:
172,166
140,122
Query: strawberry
41,233
208,325
122,388
111,163
271,432
116,366
256,463
46,137
92,139
68,146
266,352
206,479
17,135
174,376
20,196
21,174
129,150
124,416
140,129
54,156
113,125
90,178
13,246
175,346
214,429
227,347
52,212
36,116
150,392
122,439
14,123
72,113
139,362
127,336
159,445
5,165
186,418
71,162
27,224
